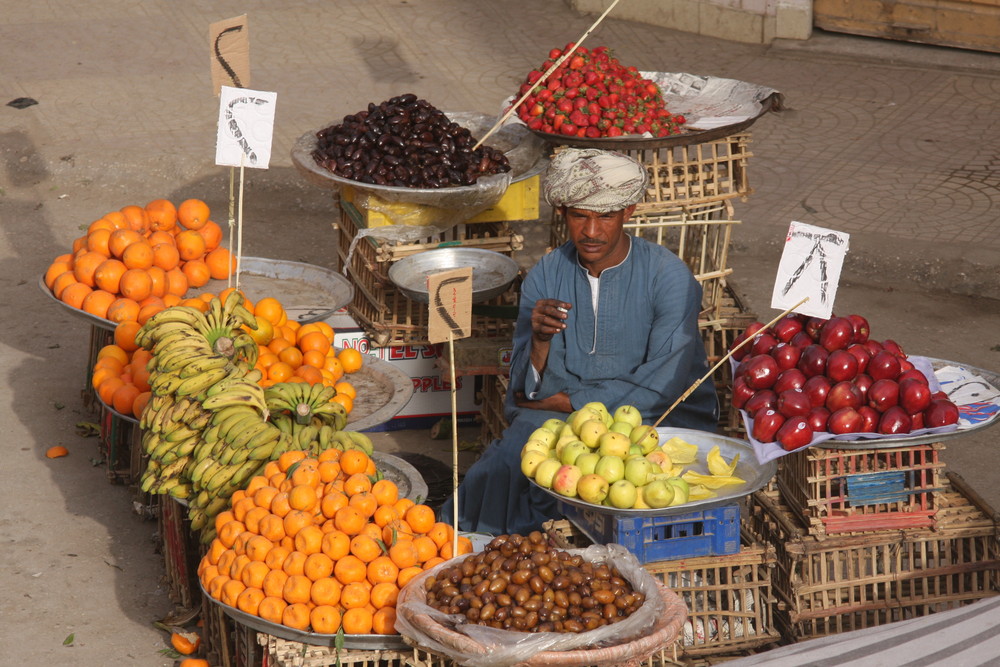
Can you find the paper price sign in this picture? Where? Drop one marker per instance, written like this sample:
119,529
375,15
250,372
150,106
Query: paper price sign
246,124
450,307
230,41
810,268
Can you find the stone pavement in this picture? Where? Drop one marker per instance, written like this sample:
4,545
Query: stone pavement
897,144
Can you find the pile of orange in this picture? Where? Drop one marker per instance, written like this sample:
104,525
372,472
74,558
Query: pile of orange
120,376
136,261
318,544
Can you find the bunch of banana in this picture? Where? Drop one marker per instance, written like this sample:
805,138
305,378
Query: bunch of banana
304,402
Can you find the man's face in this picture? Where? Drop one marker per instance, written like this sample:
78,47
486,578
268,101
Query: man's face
600,238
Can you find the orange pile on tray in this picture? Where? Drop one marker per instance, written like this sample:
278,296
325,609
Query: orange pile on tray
322,545
134,262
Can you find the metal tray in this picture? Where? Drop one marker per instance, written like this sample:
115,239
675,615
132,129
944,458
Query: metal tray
755,474
307,292
408,479
526,153
361,642
492,272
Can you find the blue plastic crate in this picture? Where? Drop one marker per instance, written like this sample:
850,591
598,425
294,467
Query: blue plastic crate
710,532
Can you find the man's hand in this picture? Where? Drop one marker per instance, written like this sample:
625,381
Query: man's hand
548,318
556,402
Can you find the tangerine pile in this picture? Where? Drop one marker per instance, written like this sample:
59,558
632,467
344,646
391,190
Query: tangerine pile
120,376
135,261
320,544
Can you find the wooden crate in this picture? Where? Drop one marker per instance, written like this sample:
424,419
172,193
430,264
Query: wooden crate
390,318
181,553
835,491
852,582
719,326
226,643
491,399
118,438
729,599
284,653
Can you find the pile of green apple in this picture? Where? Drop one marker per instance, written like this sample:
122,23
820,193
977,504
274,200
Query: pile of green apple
613,459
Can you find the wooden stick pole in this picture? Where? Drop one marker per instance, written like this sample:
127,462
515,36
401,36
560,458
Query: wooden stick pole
722,361
239,230
232,216
454,440
544,76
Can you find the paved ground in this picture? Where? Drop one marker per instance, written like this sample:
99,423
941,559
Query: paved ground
897,144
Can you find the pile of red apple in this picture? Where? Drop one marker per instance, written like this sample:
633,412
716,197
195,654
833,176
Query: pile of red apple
808,375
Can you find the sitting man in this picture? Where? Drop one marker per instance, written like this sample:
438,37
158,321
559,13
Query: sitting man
605,317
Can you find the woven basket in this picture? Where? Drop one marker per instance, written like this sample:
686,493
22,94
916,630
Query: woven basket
659,637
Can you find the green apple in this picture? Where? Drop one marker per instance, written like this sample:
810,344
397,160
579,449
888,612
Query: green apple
613,444
535,446
554,425
602,410
638,471
640,503
658,493
622,494
621,427
561,444
635,450
610,468
682,491
572,451
582,415
646,437
530,461
592,488
628,414
565,481
587,462
591,431
546,472
544,435
660,458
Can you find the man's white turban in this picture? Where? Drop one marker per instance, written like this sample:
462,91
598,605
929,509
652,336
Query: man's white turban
594,180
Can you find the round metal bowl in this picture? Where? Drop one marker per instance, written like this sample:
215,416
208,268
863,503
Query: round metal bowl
492,273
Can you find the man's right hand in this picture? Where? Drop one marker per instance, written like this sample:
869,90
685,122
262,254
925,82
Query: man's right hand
548,318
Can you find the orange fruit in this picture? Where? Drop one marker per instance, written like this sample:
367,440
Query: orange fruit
124,335
271,608
421,518
56,452
295,563
296,616
286,459
97,302
138,255
325,619
385,492
100,223
274,583
365,548
326,590
123,398
166,256
254,516
122,238
62,281
190,245
382,570
384,594
270,309
384,621
197,272
97,241
229,531
407,573
296,520
230,591
354,595
158,289
177,282
193,213
86,265
426,548
349,569
346,388
440,532
162,214
108,275
212,234
249,601
404,554
140,403
350,359
317,566
349,520
464,547
57,268
136,284
353,461
123,309
136,218
297,588
345,401
253,574
357,621
309,539
336,545
220,263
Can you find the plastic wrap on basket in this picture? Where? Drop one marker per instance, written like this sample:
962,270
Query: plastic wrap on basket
484,646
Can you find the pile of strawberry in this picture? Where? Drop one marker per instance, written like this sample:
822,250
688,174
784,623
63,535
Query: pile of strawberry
593,95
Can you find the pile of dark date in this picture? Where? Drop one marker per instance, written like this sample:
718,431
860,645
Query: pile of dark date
521,583
405,142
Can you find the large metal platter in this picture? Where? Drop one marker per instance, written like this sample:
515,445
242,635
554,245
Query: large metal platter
307,292
755,474
524,151
885,442
408,479
361,642
492,272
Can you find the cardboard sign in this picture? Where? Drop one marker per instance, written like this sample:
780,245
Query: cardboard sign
810,267
450,313
246,123
230,53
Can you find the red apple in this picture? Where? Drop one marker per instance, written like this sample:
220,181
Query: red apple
884,394
894,421
741,392
905,364
813,326
763,343
870,416
819,419
794,434
845,420
793,378
862,354
843,395
742,352
841,365
787,327
884,365
861,328
813,360
817,387
863,382
760,372
914,395
766,424
893,346
941,412
794,403
913,374
917,421
873,346
765,399
786,355
836,333
753,328
801,340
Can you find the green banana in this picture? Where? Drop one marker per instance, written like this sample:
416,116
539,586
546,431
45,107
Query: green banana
196,473
251,399
174,469
306,435
231,383
264,451
196,384
221,477
244,472
201,421
262,436
197,517
204,364
238,425
242,437
209,474
363,441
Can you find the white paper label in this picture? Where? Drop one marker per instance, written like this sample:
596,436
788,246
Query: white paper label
246,123
810,267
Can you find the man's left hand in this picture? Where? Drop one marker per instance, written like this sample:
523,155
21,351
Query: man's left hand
556,402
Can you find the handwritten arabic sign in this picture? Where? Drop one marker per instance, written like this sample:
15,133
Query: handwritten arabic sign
230,58
246,123
450,307
810,267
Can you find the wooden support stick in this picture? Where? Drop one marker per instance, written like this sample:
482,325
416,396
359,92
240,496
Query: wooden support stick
722,361
544,76
454,441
